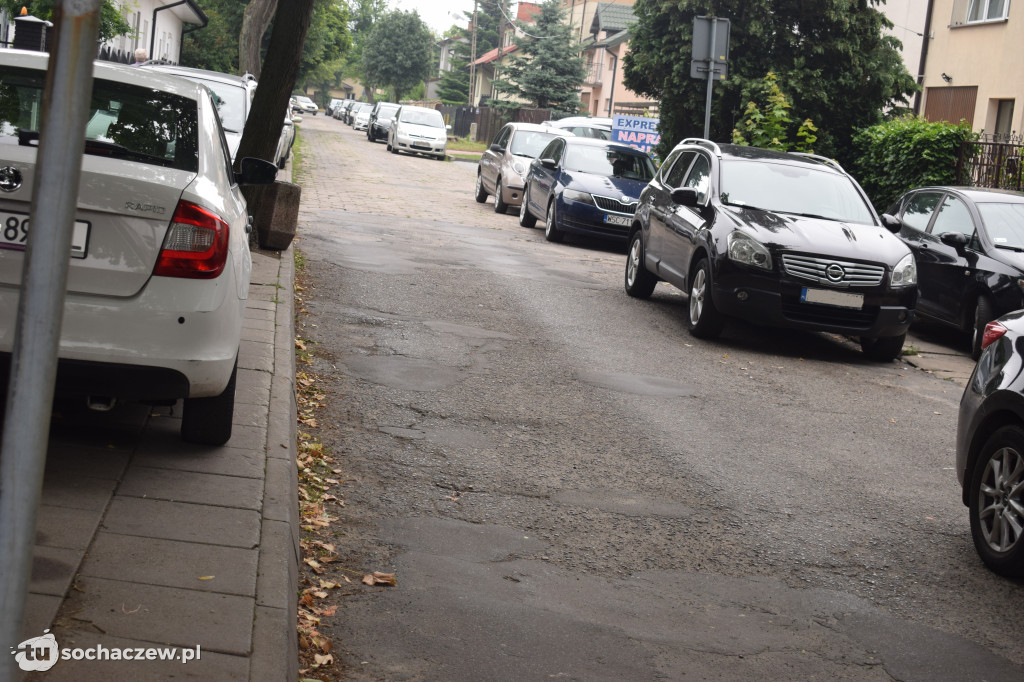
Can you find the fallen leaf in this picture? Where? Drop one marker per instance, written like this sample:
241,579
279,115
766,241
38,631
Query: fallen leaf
326,659
206,577
128,613
299,344
378,578
329,611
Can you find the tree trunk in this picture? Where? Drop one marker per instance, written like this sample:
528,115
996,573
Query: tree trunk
254,24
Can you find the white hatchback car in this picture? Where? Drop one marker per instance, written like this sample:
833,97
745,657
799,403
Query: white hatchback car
418,130
159,268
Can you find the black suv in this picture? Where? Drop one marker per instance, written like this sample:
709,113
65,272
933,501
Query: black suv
380,120
787,240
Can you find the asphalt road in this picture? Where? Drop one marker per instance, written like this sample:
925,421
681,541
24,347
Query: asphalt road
569,486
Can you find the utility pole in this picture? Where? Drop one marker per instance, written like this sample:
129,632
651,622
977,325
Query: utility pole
472,60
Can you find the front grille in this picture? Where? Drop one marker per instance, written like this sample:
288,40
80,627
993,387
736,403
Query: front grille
817,269
613,205
851,318
596,227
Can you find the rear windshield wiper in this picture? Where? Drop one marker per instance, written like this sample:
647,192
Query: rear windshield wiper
102,148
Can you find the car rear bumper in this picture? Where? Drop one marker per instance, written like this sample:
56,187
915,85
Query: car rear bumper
179,337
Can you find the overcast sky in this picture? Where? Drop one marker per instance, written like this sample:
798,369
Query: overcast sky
437,13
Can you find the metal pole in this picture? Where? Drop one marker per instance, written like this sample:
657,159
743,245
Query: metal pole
711,80
44,280
472,61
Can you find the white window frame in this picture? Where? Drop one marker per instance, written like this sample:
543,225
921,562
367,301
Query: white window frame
985,8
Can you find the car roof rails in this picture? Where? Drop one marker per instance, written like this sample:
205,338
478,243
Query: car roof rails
248,76
708,144
822,159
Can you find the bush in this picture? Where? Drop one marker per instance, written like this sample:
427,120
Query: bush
901,154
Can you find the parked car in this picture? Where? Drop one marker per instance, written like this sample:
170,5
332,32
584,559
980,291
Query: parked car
361,117
787,240
584,126
990,447
418,130
347,111
287,139
585,186
159,267
332,105
233,95
381,116
502,168
969,246
306,105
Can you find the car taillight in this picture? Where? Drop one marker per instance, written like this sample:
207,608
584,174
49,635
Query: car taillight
993,331
196,246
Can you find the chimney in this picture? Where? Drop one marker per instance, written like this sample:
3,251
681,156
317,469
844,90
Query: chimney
31,33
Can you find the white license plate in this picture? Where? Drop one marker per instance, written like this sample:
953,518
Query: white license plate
618,220
15,233
839,299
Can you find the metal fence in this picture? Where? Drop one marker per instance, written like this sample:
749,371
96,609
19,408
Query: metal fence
995,161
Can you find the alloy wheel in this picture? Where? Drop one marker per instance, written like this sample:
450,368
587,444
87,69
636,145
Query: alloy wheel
1001,500
697,293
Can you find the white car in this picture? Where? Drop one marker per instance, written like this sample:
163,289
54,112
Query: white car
306,105
361,120
159,267
418,130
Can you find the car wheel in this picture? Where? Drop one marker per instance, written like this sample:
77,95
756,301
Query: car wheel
996,502
551,231
640,282
884,349
526,218
387,143
703,319
394,149
983,314
207,421
481,193
499,202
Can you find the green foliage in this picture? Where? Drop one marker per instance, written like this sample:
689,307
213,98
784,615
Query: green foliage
839,69
547,69
898,155
215,47
454,85
769,129
399,52
112,23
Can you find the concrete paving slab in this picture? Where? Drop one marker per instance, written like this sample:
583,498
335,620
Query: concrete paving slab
183,521
67,489
53,569
65,527
93,462
40,612
255,355
175,616
187,486
167,454
275,645
249,414
171,563
277,566
252,388
262,325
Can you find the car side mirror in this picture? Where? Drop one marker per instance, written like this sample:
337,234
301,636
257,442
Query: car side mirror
958,240
892,223
550,164
448,128
685,196
256,172
497,148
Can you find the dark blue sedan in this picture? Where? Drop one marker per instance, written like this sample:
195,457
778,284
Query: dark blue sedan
585,186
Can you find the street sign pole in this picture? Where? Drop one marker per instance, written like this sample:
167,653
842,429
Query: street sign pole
711,80
710,57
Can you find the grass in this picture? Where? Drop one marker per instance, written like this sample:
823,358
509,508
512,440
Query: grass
460,144
909,351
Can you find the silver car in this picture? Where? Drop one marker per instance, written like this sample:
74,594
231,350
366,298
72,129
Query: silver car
503,167
418,130
159,267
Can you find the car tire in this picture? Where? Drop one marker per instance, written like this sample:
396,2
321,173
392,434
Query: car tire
526,219
995,499
551,231
702,317
207,421
640,282
983,314
394,149
481,193
883,349
499,202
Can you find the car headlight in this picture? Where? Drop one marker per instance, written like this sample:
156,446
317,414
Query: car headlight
746,250
905,272
582,197
518,167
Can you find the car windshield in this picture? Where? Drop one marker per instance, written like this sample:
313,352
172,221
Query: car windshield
423,118
386,112
304,100
231,100
614,163
795,189
125,121
1005,223
530,143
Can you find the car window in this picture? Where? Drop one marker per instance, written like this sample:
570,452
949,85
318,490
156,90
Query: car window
502,139
678,172
699,177
1004,223
615,163
799,189
919,210
953,216
125,121
421,117
550,151
529,142
231,103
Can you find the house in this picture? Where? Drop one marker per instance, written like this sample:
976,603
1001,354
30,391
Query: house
488,66
446,49
972,65
580,14
909,18
603,92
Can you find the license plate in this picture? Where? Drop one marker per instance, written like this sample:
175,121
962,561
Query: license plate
839,299
15,233
420,145
623,220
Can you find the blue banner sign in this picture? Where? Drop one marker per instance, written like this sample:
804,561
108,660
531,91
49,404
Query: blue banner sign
638,132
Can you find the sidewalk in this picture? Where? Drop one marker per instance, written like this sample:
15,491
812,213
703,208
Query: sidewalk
146,541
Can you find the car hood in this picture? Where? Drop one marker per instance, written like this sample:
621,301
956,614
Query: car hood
1013,259
429,132
603,185
816,235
